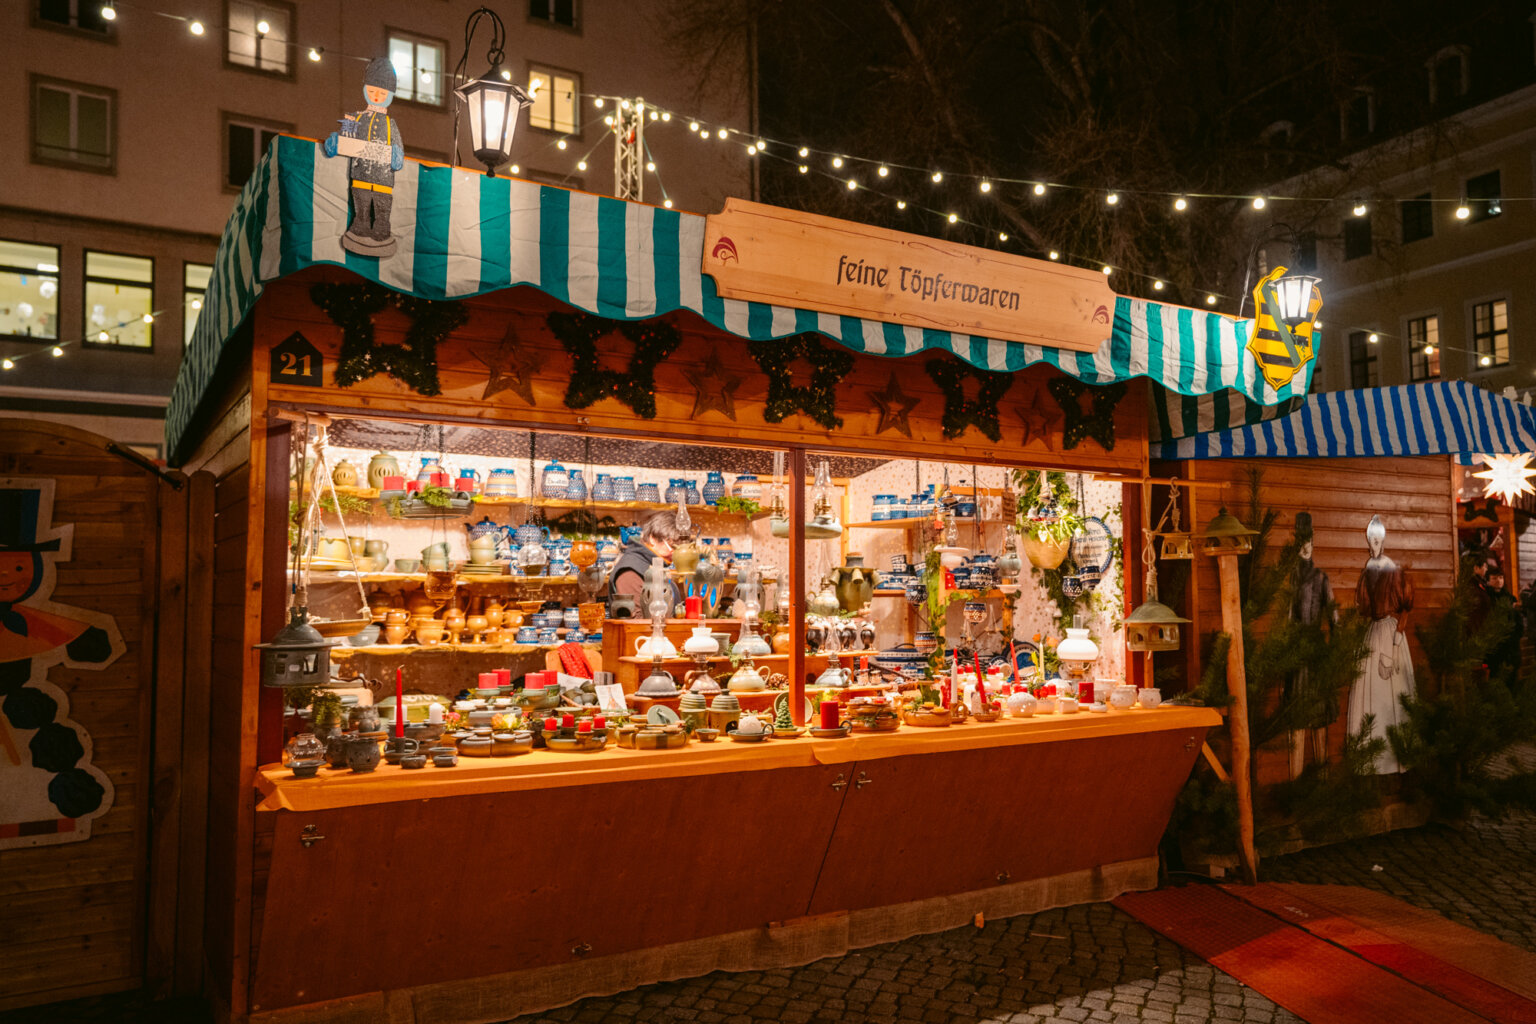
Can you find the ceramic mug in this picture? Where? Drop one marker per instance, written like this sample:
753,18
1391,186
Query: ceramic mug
527,635
435,551
407,565
335,548
376,548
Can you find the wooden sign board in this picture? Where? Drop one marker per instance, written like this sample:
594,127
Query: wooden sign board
788,258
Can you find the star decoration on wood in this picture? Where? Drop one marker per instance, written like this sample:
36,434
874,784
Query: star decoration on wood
961,412
818,399
653,341
894,405
715,389
1098,424
1041,421
413,362
511,368
1507,476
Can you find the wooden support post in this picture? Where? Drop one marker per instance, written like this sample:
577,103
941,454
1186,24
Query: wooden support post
795,580
1237,720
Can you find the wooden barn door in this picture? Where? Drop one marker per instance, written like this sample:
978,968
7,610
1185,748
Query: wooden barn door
98,561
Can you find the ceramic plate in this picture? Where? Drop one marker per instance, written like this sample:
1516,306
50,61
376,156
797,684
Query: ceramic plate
660,714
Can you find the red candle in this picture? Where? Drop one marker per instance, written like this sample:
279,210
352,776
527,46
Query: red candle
829,712
394,483
981,682
600,722
412,486
693,607
585,726
503,677
551,723
399,700
566,721
439,480
487,680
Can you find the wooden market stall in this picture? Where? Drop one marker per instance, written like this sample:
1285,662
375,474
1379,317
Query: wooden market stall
518,319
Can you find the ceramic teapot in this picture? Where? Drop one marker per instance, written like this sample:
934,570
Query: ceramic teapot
649,646
380,466
835,677
701,642
746,679
685,556
854,585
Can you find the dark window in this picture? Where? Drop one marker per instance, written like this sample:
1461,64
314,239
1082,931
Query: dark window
82,14
1490,333
1306,253
1483,197
1358,117
1418,218
1424,348
555,12
244,145
73,124
1362,360
1357,237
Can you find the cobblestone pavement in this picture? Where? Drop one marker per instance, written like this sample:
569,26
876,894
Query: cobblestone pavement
1087,963
1482,875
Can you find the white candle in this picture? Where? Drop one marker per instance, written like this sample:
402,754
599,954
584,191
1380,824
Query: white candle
434,713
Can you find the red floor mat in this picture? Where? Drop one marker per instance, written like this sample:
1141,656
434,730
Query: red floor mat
1314,979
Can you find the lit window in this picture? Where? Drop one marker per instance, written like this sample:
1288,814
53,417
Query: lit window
1483,196
1418,218
119,293
251,47
1424,348
194,286
29,291
1490,332
418,65
556,100
554,12
245,143
73,124
84,15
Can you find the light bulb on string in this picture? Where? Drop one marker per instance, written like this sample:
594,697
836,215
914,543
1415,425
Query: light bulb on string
720,134
883,170
149,318
1258,202
561,144
608,120
7,365
937,177
650,165
1055,255
852,184
1002,236
804,152
667,203
108,12
195,27
655,115
837,162
103,337
197,303
598,102
1157,286
1108,270
1359,210
1039,189
516,169
1485,361
693,126
666,115
985,186
263,27
1373,338
1181,204
581,165
624,104
1112,199
314,54
751,150
1210,300
57,351
1463,211
804,169
761,145
954,217
506,76
901,204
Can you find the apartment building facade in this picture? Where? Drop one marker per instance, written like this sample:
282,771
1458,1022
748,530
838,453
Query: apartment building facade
142,122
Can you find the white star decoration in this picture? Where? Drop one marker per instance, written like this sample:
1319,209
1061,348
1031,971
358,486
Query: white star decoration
1508,476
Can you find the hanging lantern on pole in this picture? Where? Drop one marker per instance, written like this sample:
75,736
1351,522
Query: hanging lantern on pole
1226,535
298,655
492,101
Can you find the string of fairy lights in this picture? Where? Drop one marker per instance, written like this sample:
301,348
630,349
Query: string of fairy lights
887,179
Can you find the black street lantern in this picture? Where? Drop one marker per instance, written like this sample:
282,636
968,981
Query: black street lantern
492,101
298,655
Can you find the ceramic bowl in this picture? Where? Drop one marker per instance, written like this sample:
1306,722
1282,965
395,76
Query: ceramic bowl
413,761
365,637
305,768
445,760
1149,696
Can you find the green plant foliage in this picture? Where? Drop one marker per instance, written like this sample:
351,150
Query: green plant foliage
1463,724
1204,819
1326,801
413,362
728,503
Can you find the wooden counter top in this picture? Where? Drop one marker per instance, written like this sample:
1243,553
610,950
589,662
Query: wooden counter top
545,769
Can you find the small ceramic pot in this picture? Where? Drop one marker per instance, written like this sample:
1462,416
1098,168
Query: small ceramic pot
1150,696
412,761
362,754
1122,697
429,633
444,760
306,767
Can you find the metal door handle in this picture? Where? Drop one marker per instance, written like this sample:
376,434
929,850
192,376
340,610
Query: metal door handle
309,835
841,782
862,781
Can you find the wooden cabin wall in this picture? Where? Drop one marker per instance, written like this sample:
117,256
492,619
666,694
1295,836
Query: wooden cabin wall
73,914
519,315
1414,498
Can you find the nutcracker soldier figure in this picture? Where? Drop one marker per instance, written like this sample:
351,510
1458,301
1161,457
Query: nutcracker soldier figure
370,139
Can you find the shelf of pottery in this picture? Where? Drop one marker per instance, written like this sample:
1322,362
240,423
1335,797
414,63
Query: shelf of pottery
452,553
887,516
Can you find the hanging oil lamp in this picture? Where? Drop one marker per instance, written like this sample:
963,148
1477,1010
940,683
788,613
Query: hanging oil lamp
823,525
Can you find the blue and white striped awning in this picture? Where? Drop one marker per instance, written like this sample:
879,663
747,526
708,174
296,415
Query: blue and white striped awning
1453,417
462,233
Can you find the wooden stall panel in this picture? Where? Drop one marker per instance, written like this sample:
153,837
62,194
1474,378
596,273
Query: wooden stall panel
72,909
940,824
469,886
506,339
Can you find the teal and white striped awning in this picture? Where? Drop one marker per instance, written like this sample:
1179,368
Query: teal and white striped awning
462,233
1453,417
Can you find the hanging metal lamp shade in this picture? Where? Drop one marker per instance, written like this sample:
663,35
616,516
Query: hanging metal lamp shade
1152,626
298,655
